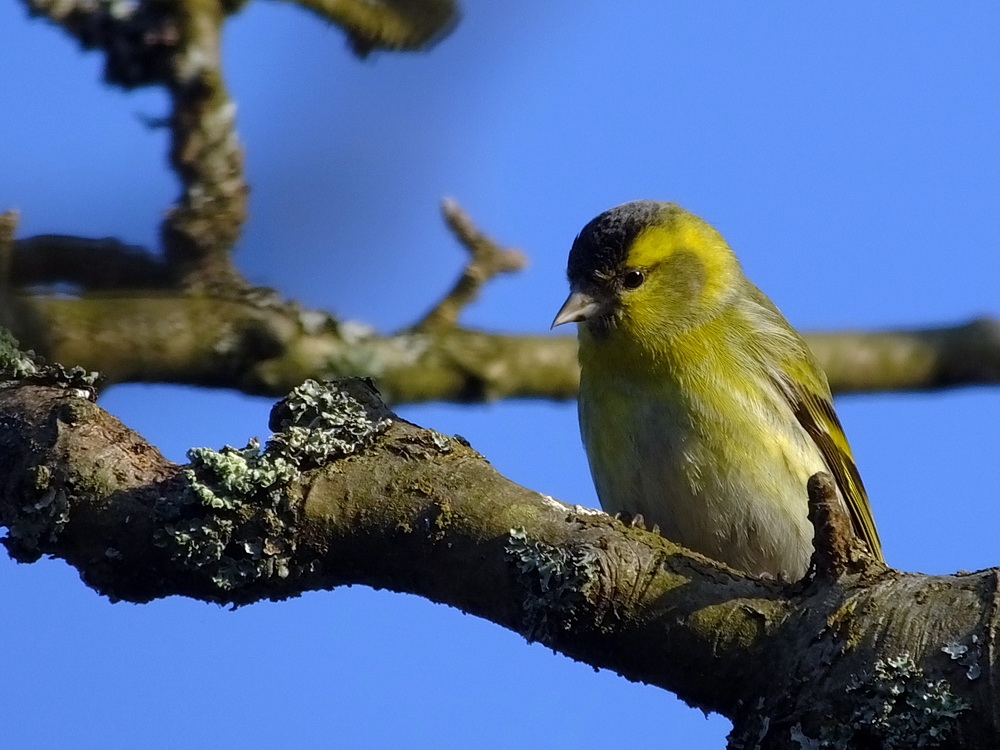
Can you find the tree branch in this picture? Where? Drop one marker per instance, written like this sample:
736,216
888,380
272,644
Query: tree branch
200,231
388,24
258,345
347,493
487,259
176,45
90,264
911,360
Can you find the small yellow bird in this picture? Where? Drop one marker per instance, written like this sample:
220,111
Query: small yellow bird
701,408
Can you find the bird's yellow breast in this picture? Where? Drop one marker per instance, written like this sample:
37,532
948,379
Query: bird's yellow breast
716,461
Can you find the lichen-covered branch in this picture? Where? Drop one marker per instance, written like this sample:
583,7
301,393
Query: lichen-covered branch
259,345
345,492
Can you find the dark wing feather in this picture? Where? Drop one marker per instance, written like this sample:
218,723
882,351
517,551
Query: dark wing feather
816,415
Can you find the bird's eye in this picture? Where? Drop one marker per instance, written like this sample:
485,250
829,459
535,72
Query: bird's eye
632,279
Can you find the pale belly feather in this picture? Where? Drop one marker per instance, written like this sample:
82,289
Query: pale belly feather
731,487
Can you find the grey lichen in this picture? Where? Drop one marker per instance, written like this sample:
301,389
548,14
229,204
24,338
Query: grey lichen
896,708
804,741
440,441
25,365
557,580
317,422
966,656
14,364
41,518
236,524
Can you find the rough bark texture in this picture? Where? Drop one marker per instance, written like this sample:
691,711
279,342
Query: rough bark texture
857,655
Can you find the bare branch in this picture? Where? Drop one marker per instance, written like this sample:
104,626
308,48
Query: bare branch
837,550
911,360
176,45
91,264
262,346
487,259
200,231
388,24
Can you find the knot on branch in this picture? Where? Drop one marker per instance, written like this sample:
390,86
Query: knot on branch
836,549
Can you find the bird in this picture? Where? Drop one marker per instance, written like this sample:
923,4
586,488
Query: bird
701,409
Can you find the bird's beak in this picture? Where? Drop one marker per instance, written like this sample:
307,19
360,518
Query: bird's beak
578,307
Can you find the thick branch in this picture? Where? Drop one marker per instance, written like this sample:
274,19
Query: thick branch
413,510
264,347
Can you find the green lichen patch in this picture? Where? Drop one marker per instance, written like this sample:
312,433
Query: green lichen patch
14,364
556,580
897,707
236,525
27,366
317,422
40,519
227,478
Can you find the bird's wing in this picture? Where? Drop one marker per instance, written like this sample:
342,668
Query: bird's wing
816,415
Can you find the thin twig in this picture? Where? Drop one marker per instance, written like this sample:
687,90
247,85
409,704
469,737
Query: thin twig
388,24
487,260
836,549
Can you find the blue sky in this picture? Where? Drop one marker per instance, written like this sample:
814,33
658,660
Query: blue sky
848,151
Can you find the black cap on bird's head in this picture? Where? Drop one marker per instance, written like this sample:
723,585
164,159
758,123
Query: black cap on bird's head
599,255
602,246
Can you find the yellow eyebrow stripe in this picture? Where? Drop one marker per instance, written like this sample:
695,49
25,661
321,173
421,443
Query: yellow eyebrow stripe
682,232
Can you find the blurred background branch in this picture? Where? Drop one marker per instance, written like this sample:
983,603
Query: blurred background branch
177,45
254,342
